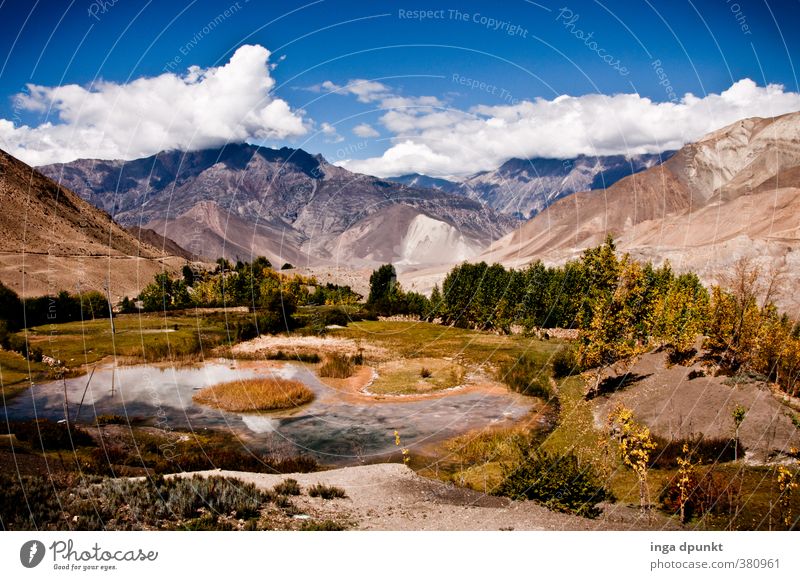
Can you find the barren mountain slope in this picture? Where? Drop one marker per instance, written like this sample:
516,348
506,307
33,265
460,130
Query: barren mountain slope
735,192
53,240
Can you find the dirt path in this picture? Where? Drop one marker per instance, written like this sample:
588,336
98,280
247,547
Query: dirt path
390,496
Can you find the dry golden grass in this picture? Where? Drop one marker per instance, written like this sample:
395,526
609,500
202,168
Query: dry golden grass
258,394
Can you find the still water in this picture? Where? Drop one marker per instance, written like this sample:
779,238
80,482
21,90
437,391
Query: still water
332,428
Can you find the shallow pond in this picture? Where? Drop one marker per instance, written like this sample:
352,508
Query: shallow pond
332,427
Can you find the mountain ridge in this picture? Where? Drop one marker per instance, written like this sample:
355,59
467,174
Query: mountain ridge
288,201
734,193
524,187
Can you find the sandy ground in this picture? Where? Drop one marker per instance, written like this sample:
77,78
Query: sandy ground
674,406
293,345
390,496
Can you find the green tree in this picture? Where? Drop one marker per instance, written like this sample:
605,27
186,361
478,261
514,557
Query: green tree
435,302
615,332
385,293
188,275
164,293
11,308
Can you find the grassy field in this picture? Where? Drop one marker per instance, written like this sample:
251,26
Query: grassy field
177,336
16,370
426,340
414,376
258,394
152,336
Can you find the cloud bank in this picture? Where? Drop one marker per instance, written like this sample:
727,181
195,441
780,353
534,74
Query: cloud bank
438,141
199,109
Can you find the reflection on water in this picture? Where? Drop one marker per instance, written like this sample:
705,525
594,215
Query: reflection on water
331,428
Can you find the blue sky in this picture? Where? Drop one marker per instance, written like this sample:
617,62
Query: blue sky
466,59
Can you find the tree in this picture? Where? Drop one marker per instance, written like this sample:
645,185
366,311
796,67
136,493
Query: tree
681,315
188,275
616,332
223,265
435,302
164,293
385,292
740,305
635,445
259,264
287,266
11,308
738,415
788,481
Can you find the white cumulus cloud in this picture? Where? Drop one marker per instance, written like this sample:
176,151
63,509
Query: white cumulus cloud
446,142
201,108
365,130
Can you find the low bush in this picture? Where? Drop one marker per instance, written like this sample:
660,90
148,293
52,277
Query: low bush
171,347
425,372
124,504
110,419
326,491
49,435
565,363
16,343
704,450
161,455
322,526
298,356
704,492
287,487
526,376
558,482
337,366
28,503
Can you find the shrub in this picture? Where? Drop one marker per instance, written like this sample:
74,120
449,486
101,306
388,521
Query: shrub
298,356
326,491
527,377
28,503
111,419
323,526
565,363
337,366
333,316
245,330
193,459
49,435
556,481
704,492
425,372
709,451
124,504
171,347
287,487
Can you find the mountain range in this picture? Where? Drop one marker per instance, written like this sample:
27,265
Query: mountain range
241,200
734,193
524,187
